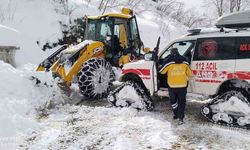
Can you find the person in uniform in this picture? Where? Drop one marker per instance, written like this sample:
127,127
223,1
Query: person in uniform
178,72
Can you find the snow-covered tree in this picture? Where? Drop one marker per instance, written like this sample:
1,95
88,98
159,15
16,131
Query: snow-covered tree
8,11
64,7
176,11
72,34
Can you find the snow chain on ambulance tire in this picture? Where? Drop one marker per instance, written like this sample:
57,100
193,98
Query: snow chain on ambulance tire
131,94
95,78
231,108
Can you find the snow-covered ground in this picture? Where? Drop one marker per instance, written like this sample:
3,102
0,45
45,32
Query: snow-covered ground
96,125
25,124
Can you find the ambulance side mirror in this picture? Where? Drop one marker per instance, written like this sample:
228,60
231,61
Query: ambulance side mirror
148,57
108,38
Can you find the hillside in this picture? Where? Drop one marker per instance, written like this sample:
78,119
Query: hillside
36,20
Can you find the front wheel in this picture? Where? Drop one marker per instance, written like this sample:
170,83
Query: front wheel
95,78
131,94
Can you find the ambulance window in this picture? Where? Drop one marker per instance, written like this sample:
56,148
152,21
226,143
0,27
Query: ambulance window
215,49
243,47
182,47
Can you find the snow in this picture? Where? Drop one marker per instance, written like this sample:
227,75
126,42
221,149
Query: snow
9,36
105,128
74,48
128,93
18,98
232,105
26,123
96,125
35,21
93,125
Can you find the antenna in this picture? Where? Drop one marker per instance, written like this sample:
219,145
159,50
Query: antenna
222,29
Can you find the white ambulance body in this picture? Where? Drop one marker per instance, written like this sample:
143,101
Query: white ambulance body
220,61
218,57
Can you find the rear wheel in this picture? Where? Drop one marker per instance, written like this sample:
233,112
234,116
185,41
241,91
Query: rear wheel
95,78
131,94
230,108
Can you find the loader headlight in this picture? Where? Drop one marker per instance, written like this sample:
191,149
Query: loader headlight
98,49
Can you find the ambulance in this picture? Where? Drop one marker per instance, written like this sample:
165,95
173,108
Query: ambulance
219,58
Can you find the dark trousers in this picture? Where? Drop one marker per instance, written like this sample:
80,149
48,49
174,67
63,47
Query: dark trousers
178,100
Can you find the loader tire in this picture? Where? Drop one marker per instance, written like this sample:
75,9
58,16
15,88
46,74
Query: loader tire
95,78
131,94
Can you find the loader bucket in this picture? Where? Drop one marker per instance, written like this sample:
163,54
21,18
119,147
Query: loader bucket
48,62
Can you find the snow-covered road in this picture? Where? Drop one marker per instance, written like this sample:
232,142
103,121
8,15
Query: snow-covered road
92,125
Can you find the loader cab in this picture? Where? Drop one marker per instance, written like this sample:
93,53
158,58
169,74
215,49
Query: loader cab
118,32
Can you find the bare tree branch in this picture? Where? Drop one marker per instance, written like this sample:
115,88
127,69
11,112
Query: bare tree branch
226,6
65,8
7,13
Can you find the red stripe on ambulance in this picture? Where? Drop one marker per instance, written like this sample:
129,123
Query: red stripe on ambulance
144,73
240,74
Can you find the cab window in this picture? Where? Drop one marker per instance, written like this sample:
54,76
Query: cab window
134,36
134,31
98,30
120,32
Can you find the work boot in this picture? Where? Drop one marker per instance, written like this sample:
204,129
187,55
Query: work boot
180,121
175,117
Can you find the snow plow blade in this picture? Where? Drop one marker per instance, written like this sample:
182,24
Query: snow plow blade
46,66
48,62
231,109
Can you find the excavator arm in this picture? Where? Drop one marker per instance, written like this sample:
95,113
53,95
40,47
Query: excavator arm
66,62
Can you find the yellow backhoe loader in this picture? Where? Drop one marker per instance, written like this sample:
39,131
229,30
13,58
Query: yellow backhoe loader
111,40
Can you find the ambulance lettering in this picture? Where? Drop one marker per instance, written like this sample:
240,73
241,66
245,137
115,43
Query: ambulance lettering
206,66
207,72
244,47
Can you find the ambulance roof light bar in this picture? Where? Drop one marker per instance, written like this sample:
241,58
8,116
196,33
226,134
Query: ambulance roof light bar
194,31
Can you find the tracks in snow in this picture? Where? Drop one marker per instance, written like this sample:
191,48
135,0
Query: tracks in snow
93,126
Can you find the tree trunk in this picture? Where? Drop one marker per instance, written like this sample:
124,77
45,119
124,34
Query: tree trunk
221,7
238,5
231,6
101,4
105,7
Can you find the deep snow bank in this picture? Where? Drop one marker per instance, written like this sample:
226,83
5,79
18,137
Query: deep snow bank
9,36
35,20
18,98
